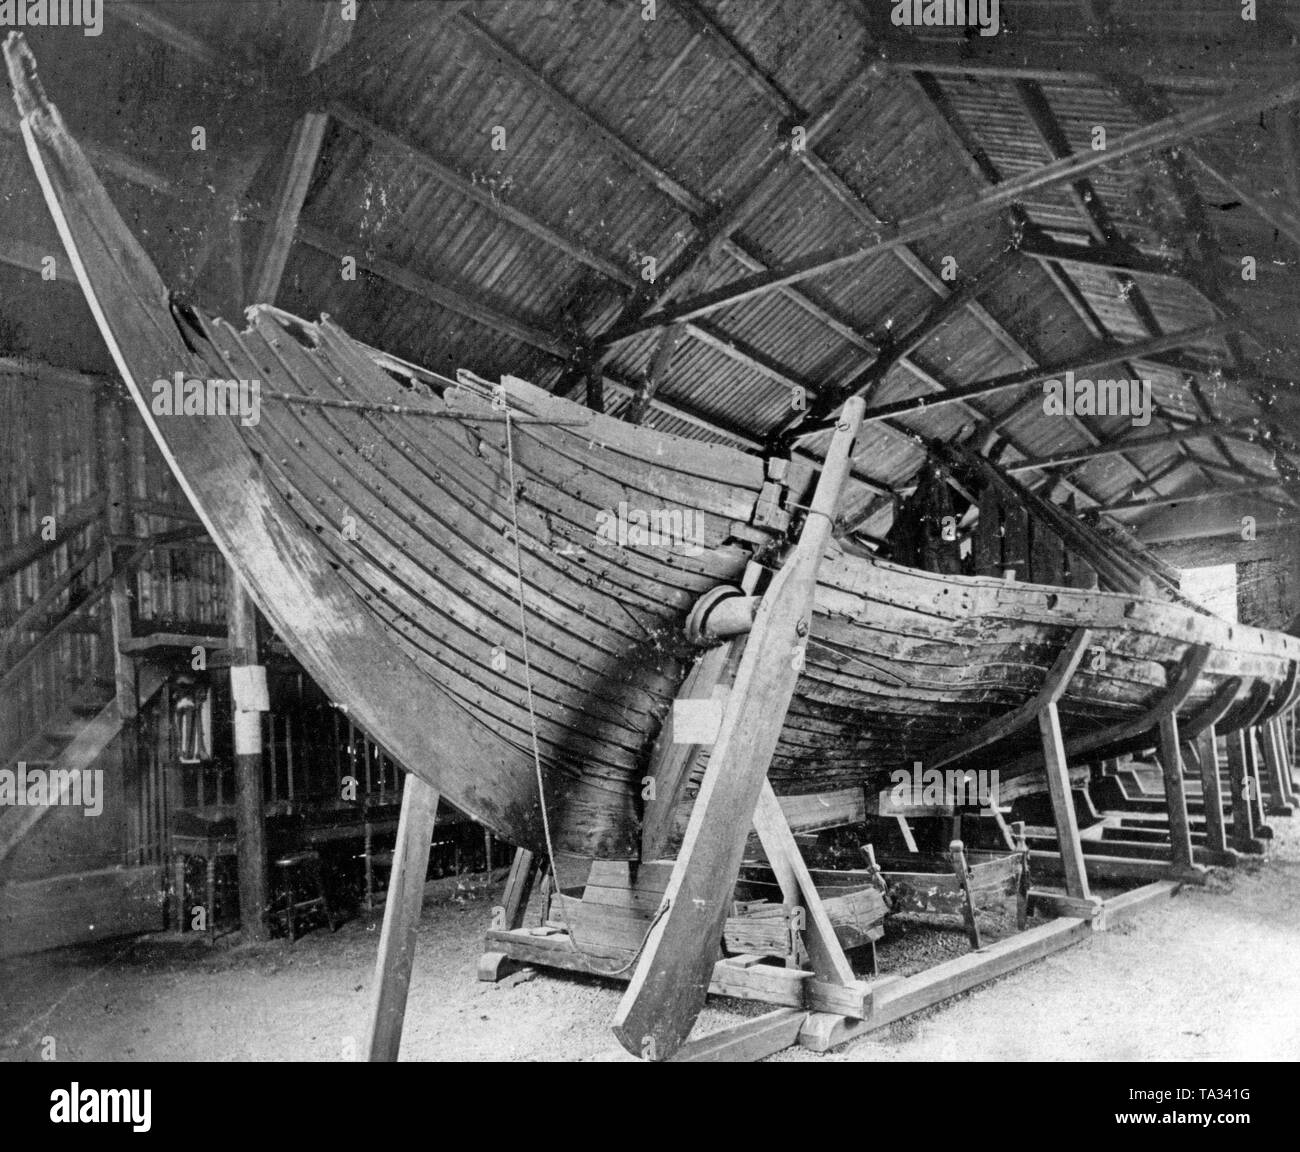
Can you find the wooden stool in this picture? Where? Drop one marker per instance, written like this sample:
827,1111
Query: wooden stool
289,865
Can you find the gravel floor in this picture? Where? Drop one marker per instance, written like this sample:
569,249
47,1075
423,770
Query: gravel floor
1209,974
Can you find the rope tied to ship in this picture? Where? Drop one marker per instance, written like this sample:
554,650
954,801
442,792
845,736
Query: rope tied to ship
532,718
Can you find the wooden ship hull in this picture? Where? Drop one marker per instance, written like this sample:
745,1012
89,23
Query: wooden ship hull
477,591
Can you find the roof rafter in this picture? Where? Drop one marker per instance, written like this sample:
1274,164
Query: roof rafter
1097,355
1164,58
1103,257
1197,497
1112,447
697,210
965,209
308,135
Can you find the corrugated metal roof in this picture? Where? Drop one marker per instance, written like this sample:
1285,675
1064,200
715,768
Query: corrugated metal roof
525,159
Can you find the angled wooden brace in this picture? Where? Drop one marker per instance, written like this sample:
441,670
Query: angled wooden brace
401,918
672,977
1284,698
1280,799
1240,785
1164,718
1053,687
1201,736
1043,709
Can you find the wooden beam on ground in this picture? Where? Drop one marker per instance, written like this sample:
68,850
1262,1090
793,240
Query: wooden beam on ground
672,976
895,999
402,907
750,1040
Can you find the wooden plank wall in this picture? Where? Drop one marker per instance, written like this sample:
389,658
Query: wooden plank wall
180,588
54,458
47,468
49,445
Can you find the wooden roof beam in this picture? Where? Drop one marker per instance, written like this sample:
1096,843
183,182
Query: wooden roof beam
894,355
1098,355
1195,497
1102,257
330,62
332,33
1197,231
848,197
445,174
1057,146
964,298
1099,220
1161,473
696,209
1110,448
452,298
1163,57
718,229
964,209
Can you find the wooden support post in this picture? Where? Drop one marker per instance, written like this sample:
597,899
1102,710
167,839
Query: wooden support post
1171,766
1058,786
1279,792
958,854
248,693
1207,753
519,889
401,919
1243,818
1021,845
117,467
1140,728
1256,796
672,978
1284,761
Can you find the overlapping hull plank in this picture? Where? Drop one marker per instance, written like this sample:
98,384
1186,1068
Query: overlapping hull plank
381,545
